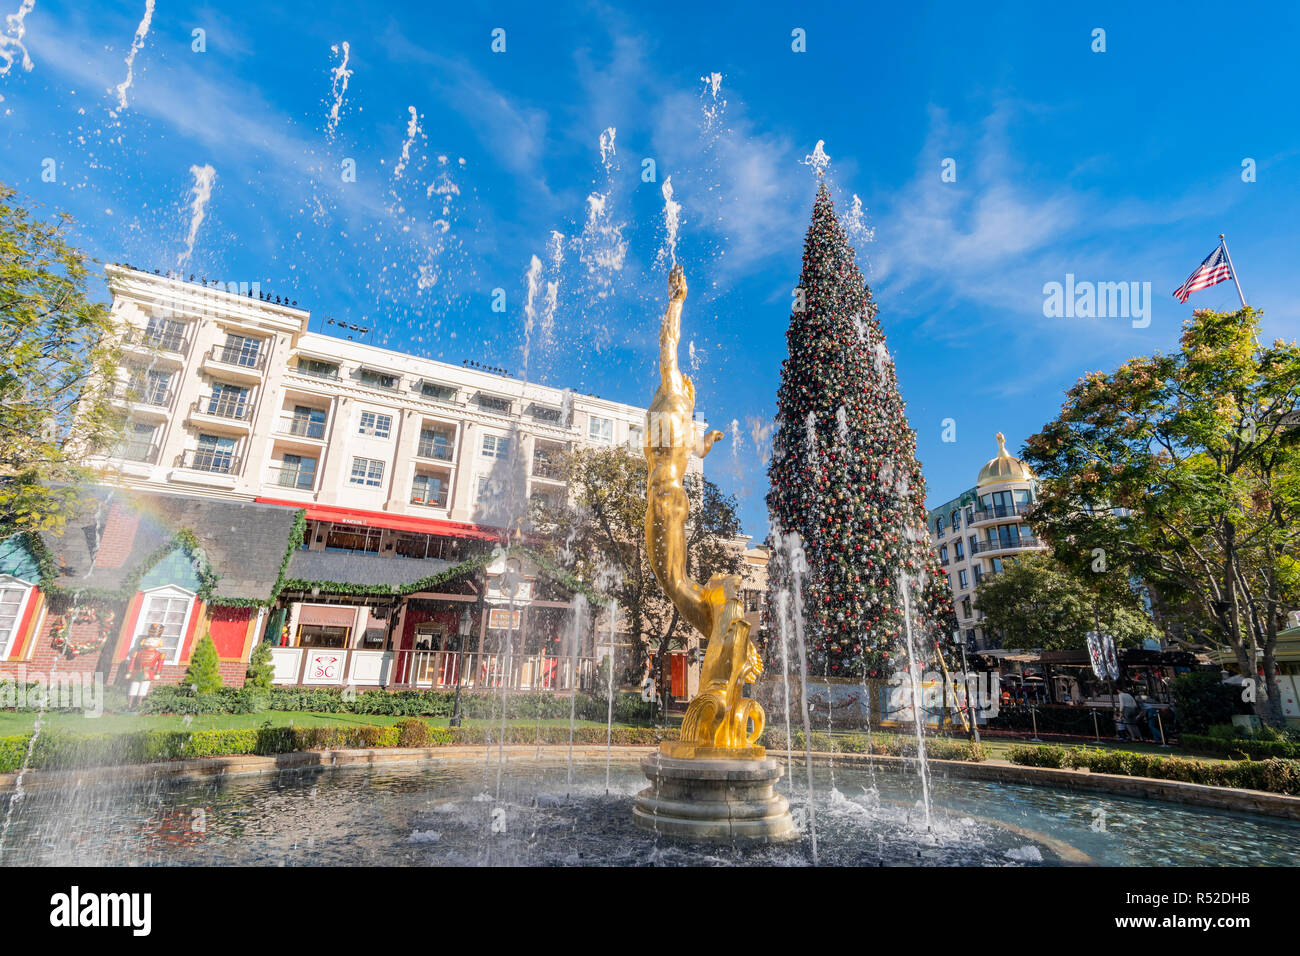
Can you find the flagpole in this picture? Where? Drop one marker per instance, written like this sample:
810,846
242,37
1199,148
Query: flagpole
1223,242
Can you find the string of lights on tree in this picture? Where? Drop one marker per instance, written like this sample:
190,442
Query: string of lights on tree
844,473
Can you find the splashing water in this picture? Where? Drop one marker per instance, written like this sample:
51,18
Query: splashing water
11,41
202,192
339,77
534,280
603,248
137,44
914,675
818,159
607,147
672,220
855,223
713,107
842,425
810,434
412,131
798,568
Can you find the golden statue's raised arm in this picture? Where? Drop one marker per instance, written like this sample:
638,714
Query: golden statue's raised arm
719,717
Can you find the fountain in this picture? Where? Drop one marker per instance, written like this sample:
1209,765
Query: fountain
715,783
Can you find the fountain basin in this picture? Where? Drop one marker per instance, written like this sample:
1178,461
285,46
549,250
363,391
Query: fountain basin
714,801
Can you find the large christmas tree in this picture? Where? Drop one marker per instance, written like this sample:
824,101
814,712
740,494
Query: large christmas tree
844,473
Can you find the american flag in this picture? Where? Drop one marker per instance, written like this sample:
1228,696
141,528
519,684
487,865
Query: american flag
1212,271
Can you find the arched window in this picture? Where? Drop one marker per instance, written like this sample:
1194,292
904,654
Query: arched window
171,607
955,518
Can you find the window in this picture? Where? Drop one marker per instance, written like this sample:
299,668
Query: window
441,393
13,601
435,443
965,607
956,519
495,446
137,442
375,424
215,453
322,635
979,573
377,379
318,369
543,413
482,491
753,600
307,421
240,350
943,554
958,552
962,579
939,525
368,472
353,540
1008,536
429,490
970,514
600,429
165,334
298,472
494,403
170,608
149,386
995,565
227,401
635,437
974,545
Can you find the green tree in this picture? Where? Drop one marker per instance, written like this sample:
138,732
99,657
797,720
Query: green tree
203,675
599,534
261,672
1035,601
58,354
1184,469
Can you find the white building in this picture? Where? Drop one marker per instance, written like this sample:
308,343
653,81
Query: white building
980,528
231,395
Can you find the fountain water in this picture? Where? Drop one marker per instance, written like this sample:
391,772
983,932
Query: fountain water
798,568
914,674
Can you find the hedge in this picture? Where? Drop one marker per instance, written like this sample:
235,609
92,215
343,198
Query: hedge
1241,748
1273,775
890,745
63,750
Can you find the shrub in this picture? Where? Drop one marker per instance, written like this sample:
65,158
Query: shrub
1202,700
1241,748
890,745
1045,756
412,732
203,676
261,672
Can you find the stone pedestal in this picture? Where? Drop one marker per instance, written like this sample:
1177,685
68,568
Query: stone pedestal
713,801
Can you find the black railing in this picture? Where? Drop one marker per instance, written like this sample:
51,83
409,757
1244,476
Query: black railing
1001,511
221,406
209,459
545,468
170,341
436,451
141,451
244,359
144,395
330,374
417,498
288,477
1010,544
302,428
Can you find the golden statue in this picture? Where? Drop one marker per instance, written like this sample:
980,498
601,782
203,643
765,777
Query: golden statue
719,722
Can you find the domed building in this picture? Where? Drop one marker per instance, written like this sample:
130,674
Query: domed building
980,529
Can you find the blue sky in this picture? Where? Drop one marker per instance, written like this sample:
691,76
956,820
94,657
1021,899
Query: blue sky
1115,166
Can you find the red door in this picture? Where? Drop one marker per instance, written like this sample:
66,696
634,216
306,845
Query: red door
677,666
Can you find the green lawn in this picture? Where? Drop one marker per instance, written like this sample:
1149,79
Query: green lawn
15,724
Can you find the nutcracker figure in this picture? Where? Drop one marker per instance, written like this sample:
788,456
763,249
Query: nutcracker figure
145,664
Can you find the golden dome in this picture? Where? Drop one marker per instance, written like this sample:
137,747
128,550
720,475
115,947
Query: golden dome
1005,467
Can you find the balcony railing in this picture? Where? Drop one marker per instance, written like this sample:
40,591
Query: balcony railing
143,395
435,451
1000,511
173,341
329,374
139,451
221,406
296,478
1011,544
232,356
300,427
545,468
210,460
439,501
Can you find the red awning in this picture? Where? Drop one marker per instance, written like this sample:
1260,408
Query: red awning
379,519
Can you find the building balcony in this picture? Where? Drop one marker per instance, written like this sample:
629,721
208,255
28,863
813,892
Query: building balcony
224,413
435,451
299,430
322,372
998,512
236,364
207,466
166,349
143,401
136,452
291,479
547,470
1022,544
